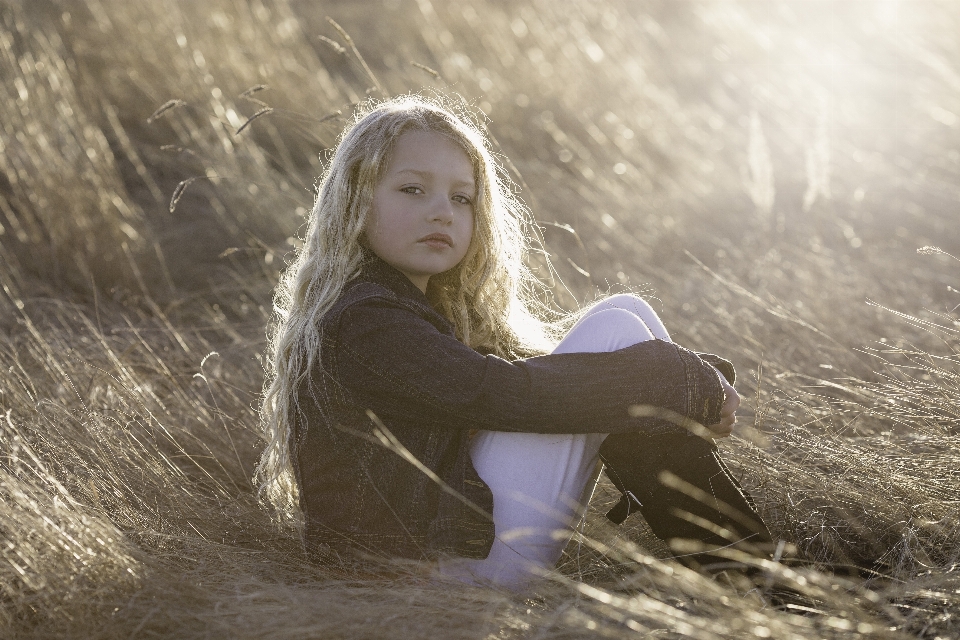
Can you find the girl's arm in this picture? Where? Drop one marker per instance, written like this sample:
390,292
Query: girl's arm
401,366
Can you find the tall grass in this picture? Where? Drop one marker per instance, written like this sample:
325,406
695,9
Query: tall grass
767,169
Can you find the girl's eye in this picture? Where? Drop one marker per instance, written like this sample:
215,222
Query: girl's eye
411,189
462,199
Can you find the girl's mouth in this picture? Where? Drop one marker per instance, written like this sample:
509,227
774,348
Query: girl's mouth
437,240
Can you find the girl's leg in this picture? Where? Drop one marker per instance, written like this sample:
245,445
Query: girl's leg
681,486
539,480
638,307
707,490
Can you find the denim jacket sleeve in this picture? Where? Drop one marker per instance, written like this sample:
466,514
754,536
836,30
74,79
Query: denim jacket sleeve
722,365
402,367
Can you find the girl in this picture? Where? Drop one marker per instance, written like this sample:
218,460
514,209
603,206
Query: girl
416,387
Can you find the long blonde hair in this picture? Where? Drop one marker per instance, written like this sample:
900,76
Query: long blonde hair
492,298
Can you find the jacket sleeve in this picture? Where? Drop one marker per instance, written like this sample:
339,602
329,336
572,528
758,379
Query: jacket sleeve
400,366
722,365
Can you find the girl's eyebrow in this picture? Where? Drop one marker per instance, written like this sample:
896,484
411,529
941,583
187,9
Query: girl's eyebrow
429,174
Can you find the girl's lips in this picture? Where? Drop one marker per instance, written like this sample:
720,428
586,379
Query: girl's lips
437,240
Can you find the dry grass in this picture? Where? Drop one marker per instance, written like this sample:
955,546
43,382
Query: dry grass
767,168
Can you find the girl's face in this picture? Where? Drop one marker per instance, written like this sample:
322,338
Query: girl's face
421,220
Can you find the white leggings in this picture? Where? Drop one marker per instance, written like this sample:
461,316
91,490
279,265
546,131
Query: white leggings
541,483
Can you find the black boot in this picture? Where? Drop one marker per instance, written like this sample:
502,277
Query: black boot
684,491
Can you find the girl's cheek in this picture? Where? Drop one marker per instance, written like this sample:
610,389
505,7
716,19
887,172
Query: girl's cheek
371,223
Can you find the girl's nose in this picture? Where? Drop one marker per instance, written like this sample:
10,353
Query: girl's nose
442,210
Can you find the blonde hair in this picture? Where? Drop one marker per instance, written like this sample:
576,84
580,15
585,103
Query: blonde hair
492,298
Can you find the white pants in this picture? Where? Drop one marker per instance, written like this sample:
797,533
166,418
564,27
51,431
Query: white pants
541,483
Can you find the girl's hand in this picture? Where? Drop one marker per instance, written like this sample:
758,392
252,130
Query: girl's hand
727,413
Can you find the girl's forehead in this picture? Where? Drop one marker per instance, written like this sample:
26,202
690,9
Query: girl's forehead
419,150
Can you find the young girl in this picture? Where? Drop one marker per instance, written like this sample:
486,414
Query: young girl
420,404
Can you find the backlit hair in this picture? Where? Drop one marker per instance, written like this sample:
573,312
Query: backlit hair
492,298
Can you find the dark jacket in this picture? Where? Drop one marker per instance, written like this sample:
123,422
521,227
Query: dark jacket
385,350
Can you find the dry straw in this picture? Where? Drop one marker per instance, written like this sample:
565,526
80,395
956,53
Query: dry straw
126,508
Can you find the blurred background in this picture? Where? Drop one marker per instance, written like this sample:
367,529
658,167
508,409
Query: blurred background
804,149
764,170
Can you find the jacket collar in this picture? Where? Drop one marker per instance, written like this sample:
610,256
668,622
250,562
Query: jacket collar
375,269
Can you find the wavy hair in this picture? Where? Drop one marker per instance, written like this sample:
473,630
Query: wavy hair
493,299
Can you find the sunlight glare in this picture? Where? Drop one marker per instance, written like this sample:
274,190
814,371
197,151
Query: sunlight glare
887,12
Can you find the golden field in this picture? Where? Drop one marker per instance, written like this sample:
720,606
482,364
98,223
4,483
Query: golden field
765,171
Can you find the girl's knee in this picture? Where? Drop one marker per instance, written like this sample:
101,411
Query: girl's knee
638,307
628,302
614,318
605,330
